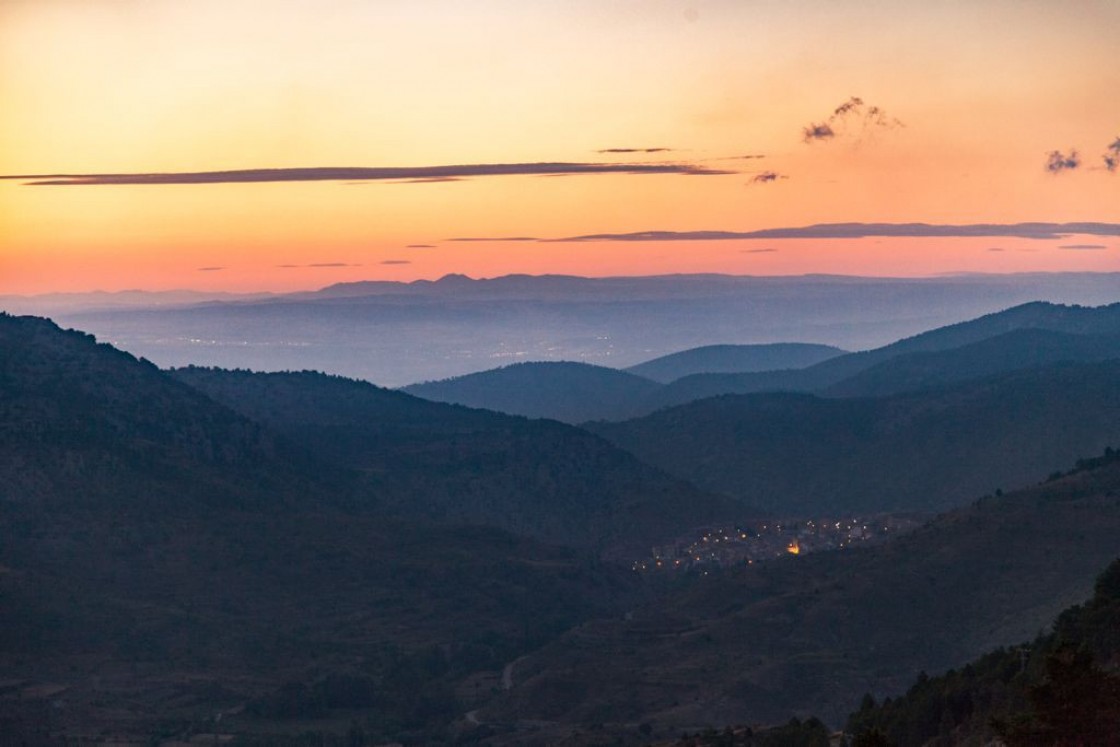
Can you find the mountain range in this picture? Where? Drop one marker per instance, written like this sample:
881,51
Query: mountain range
293,557
395,334
1019,338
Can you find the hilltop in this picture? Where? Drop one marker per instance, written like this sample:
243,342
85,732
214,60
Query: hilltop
449,463
734,359
565,391
795,454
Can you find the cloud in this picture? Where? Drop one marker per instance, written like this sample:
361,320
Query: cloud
1111,155
1058,162
1083,246
497,238
766,177
210,269
636,150
421,246
428,180
320,265
812,131
844,117
767,250
360,173
396,261
849,231
995,249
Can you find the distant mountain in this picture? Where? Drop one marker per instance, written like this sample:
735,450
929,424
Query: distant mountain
797,453
1077,320
396,334
450,463
1011,351
807,635
565,391
734,359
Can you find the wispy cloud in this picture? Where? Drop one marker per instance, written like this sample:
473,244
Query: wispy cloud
396,261
210,269
767,250
321,265
413,174
846,117
421,246
496,238
1083,246
765,177
636,150
850,231
817,131
1057,162
430,180
995,249
1111,155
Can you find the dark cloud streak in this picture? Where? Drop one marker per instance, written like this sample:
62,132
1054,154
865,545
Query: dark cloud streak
358,173
636,150
849,231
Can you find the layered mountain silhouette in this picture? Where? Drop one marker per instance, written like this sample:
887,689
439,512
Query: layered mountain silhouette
734,359
1011,351
1022,337
449,463
566,391
395,334
166,559
929,450
1074,320
295,556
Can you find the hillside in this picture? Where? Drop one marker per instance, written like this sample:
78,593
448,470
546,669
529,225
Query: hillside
1061,685
1011,351
454,464
565,391
807,635
1073,320
796,454
166,562
83,422
734,359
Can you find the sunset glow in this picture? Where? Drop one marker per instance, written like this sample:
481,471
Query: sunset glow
960,106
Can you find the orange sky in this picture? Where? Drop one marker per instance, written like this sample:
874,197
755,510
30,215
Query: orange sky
974,96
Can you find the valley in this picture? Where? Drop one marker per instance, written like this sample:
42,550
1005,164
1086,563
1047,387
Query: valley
297,556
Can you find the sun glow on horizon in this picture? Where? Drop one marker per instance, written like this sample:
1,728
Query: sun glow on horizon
959,107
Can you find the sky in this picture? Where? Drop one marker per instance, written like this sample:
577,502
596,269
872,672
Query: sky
245,146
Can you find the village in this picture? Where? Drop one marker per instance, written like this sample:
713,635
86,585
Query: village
769,539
